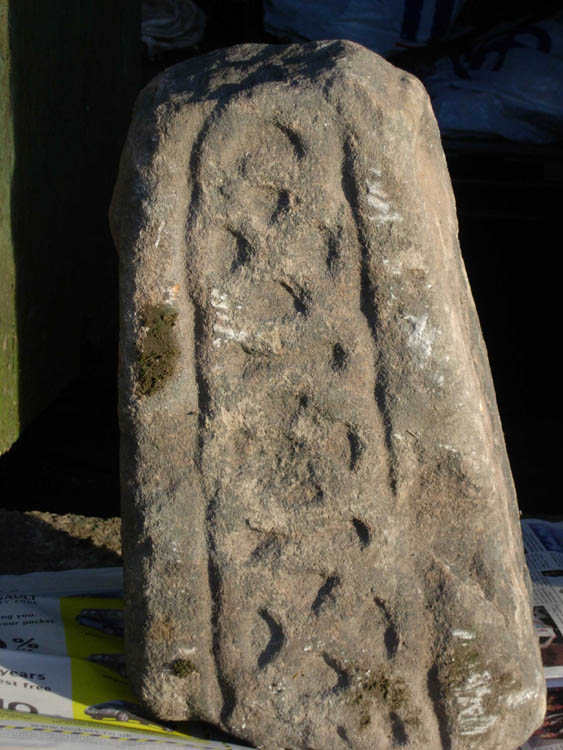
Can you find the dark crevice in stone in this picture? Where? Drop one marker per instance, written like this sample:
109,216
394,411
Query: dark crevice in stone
303,401
227,690
283,206
318,495
339,360
391,636
381,400
368,295
215,588
325,593
343,681
436,694
245,251
277,639
204,404
362,530
368,301
357,448
199,314
301,299
204,399
343,734
333,256
400,736
294,138
268,550
203,395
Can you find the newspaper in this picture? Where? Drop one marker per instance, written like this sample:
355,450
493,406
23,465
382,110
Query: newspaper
63,680
543,544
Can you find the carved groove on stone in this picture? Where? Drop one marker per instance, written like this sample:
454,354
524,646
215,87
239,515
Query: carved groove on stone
301,298
339,360
295,138
400,736
363,532
343,677
343,734
276,642
369,296
391,636
245,250
436,695
325,594
357,448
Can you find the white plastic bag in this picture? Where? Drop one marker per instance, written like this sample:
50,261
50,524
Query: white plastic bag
384,26
510,85
171,24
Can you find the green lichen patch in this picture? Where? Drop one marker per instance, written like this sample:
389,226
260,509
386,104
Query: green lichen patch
378,684
463,662
501,684
390,693
156,348
183,668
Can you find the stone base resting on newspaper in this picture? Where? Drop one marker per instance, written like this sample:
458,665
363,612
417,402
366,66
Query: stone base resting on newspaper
321,537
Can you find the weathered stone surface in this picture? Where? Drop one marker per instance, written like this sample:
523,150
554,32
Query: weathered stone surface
321,536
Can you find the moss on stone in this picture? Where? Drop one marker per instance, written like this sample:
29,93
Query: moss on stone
463,662
157,351
183,668
390,692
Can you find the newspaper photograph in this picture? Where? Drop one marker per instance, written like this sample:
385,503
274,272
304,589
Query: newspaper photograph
550,734
62,668
543,544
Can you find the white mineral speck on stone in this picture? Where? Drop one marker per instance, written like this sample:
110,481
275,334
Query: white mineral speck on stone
230,334
472,716
422,336
451,449
378,203
377,200
219,300
158,233
516,699
171,293
465,635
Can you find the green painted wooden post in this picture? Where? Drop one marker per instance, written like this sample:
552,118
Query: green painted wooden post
9,416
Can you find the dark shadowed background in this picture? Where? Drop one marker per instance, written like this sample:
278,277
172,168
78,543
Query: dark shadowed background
70,72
